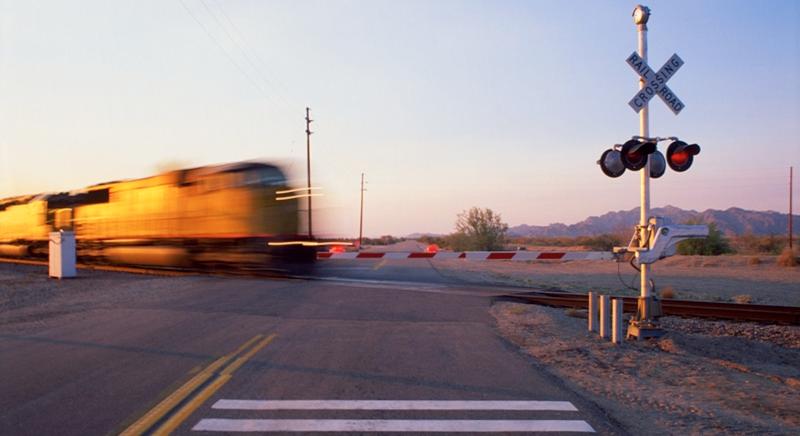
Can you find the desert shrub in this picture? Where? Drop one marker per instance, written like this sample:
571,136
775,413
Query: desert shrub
752,244
712,245
755,260
458,242
478,229
438,240
517,309
668,292
604,242
575,313
787,258
743,299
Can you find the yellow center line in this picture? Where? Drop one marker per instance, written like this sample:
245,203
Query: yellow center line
149,419
184,412
379,265
241,360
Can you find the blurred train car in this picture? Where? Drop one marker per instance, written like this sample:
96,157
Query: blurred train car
213,216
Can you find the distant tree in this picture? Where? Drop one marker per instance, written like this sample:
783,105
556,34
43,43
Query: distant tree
383,240
604,242
478,229
430,239
712,245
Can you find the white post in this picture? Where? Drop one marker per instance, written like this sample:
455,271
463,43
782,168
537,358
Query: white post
644,206
616,320
592,312
605,316
61,254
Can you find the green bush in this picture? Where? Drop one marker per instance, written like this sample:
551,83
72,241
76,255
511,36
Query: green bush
712,245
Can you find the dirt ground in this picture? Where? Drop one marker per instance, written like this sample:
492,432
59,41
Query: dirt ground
703,377
719,278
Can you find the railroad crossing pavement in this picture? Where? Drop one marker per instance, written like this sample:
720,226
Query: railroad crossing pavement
230,352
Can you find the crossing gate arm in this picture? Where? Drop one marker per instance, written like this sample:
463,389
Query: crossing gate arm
473,255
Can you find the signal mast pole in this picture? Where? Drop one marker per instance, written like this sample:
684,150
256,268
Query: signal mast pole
791,234
308,167
641,15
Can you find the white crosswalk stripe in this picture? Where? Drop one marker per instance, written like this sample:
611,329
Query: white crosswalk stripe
393,425
565,406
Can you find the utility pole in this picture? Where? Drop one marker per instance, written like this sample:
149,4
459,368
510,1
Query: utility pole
791,235
308,167
361,219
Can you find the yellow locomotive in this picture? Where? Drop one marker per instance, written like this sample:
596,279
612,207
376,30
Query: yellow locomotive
207,216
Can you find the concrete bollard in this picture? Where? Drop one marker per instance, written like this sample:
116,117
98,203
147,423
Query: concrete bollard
592,312
605,316
616,320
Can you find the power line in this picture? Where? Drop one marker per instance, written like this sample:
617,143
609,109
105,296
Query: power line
227,54
244,48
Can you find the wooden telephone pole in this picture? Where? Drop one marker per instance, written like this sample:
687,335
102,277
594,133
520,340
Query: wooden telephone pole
308,167
791,217
361,218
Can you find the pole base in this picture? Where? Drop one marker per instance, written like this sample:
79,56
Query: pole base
648,308
644,329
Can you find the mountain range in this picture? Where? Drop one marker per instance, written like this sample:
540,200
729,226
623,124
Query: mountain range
732,221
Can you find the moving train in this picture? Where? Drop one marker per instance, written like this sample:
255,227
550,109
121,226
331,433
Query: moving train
241,214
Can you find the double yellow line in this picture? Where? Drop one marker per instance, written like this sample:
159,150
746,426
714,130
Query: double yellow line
196,391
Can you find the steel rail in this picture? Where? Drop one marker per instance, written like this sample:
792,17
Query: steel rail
685,308
161,271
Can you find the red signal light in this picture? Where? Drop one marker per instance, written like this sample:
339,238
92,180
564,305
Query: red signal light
634,153
680,155
679,158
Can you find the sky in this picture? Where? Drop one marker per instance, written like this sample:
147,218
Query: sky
445,105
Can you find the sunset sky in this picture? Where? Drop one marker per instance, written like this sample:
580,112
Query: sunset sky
443,104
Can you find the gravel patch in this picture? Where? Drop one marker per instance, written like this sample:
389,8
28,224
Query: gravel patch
30,300
703,377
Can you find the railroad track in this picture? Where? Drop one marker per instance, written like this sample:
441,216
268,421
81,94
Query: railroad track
160,271
687,308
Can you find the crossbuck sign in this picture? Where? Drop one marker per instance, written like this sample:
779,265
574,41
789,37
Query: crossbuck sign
655,83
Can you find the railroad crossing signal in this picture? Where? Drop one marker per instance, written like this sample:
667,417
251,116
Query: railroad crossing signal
655,83
634,154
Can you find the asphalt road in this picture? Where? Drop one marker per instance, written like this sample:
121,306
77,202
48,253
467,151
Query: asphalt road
411,270
100,352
